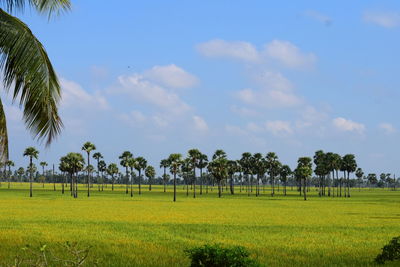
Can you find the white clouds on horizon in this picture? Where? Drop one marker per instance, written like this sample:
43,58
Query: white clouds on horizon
283,52
200,124
240,50
346,125
387,128
276,92
386,19
171,76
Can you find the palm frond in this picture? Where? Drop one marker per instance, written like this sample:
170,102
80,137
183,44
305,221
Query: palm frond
28,70
48,7
3,135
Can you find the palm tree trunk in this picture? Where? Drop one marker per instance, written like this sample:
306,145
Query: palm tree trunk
164,180
131,184
127,180
174,186
201,181
88,175
348,184
219,188
304,189
112,183
231,185
140,185
30,176
194,183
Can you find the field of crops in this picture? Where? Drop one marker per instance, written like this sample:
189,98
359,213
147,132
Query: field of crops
151,230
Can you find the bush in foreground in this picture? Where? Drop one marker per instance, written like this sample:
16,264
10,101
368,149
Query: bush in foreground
218,256
390,252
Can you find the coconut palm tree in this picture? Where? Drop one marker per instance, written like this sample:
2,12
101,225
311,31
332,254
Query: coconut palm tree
246,165
150,174
32,153
164,164
336,163
202,163
102,168
273,166
125,156
141,164
63,167
132,165
175,161
186,169
20,172
359,174
260,168
194,156
304,171
73,163
28,74
9,164
350,166
284,173
112,170
88,147
97,156
219,168
232,169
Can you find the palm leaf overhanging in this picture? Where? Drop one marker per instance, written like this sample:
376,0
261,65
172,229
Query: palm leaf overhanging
28,74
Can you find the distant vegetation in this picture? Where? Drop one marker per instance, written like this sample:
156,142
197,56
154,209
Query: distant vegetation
252,173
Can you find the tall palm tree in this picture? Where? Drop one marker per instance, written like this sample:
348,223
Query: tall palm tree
132,165
260,168
125,156
63,167
88,147
304,171
175,161
112,170
246,165
359,174
43,164
9,164
232,169
350,166
74,163
219,168
102,168
20,172
150,174
336,163
194,156
141,164
164,163
32,153
98,156
28,74
284,173
202,163
273,166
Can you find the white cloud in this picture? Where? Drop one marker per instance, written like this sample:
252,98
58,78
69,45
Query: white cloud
387,128
171,76
383,19
289,55
276,93
235,49
200,124
319,17
141,89
244,112
279,127
73,95
134,118
160,121
235,130
346,125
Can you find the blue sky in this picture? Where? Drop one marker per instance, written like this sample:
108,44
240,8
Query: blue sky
157,77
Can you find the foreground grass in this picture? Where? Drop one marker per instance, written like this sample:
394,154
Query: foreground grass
151,230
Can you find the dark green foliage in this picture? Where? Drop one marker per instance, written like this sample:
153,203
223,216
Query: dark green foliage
218,256
390,252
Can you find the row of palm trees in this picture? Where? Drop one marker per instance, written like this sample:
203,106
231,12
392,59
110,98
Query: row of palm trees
250,171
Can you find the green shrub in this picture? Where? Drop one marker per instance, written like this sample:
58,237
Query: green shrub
218,256
390,252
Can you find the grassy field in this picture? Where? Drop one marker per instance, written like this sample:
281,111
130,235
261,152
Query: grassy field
151,230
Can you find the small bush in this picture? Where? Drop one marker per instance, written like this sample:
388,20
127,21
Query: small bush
390,252
218,256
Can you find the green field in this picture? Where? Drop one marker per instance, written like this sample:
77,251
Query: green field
151,230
